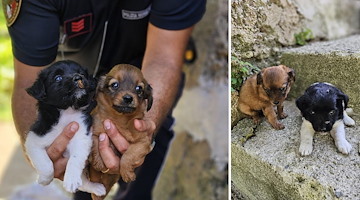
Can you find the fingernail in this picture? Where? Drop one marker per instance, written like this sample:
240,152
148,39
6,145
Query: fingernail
107,124
102,137
73,127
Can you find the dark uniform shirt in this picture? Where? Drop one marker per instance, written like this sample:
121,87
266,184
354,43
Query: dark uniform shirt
93,32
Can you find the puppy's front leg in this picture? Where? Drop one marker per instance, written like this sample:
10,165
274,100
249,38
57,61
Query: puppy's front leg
348,120
39,159
133,157
280,111
270,115
306,138
338,133
79,149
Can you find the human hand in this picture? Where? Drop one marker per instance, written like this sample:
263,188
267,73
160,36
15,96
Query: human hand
58,147
111,161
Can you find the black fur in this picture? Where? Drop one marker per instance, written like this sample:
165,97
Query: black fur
322,105
54,94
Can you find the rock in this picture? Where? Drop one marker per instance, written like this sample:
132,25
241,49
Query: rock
268,166
336,62
260,28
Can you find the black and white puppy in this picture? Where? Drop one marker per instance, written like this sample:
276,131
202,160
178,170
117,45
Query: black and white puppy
323,107
64,92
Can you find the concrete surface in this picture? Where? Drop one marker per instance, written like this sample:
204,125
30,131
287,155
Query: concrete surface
336,62
268,165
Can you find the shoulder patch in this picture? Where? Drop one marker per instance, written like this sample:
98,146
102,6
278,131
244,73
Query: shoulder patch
11,10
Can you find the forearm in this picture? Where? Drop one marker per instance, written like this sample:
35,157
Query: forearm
162,68
23,105
165,89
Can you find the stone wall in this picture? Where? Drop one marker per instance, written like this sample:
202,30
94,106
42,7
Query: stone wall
261,27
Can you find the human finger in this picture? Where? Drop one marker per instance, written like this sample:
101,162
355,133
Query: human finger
111,161
145,125
120,143
60,167
57,148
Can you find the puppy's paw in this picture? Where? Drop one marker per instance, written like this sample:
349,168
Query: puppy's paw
71,183
256,120
127,176
45,179
344,147
96,188
278,126
305,149
282,115
348,121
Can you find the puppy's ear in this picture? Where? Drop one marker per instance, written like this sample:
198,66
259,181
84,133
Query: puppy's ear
37,90
148,96
291,75
342,100
259,79
302,103
101,83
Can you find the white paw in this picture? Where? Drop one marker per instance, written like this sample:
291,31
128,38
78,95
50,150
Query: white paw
348,121
344,147
72,183
45,179
96,188
305,149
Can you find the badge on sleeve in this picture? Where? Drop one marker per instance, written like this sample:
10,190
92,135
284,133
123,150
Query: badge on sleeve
11,10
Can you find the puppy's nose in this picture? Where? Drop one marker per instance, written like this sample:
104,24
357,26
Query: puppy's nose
77,78
127,99
276,102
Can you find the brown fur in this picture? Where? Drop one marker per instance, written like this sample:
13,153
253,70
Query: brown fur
127,77
254,98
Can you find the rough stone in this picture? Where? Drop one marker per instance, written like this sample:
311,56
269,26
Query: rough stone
268,165
336,62
261,27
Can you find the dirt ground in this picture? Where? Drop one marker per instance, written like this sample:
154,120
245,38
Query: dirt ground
14,170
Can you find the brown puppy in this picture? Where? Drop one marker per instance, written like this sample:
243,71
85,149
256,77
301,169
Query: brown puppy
262,91
122,96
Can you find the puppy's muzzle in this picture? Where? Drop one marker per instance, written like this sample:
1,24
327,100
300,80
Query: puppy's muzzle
78,79
323,127
127,99
127,104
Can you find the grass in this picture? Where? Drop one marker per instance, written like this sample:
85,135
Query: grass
6,71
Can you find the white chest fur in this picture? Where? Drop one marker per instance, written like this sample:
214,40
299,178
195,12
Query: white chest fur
66,116
78,150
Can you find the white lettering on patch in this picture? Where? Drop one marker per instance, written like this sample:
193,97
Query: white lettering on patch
135,15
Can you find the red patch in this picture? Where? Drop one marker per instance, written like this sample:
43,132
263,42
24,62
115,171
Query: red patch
78,26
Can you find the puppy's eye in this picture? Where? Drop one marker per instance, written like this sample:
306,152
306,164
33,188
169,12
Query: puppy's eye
283,89
138,89
312,113
115,85
58,78
332,112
